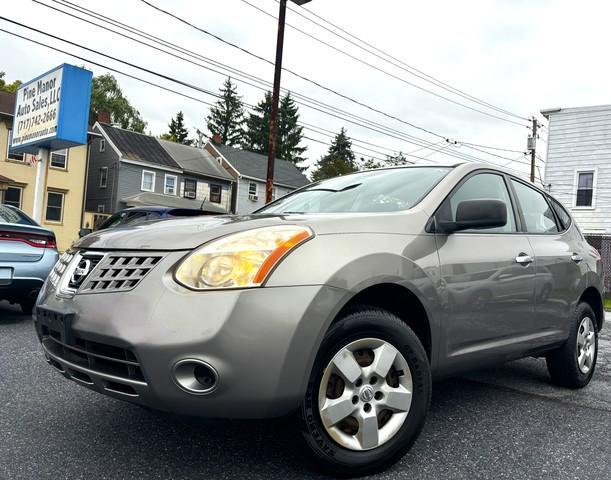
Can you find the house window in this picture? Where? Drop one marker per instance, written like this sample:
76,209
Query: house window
169,185
55,206
585,189
190,188
101,208
274,193
58,158
148,181
18,157
252,188
103,177
215,193
102,145
12,196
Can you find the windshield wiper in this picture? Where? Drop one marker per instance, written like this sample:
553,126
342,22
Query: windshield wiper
349,187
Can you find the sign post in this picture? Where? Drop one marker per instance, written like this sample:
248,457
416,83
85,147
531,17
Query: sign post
51,113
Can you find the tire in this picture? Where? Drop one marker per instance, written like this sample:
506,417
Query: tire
344,448
27,306
563,363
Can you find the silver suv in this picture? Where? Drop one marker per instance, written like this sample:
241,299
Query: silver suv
339,302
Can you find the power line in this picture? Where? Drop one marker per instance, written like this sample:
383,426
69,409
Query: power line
458,155
335,92
408,68
370,65
384,129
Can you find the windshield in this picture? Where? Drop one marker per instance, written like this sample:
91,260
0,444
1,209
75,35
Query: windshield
12,215
373,191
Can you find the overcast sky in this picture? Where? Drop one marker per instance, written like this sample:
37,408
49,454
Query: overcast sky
519,55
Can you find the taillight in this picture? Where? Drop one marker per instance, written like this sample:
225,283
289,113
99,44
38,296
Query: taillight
32,239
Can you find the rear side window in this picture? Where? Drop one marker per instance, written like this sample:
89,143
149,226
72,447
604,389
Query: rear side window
483,186
12,215
538,214
561,213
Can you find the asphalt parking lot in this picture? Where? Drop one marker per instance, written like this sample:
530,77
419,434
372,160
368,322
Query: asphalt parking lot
507,422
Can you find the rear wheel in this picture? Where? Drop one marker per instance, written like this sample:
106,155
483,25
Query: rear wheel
368,394
572,365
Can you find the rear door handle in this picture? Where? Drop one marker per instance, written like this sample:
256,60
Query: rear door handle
576,258
524,259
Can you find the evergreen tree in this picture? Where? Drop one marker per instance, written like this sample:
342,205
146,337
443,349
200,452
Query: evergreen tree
290,134
178,132
339,160
227,116
397,160
256,136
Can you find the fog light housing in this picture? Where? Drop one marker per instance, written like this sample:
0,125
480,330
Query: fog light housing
195,376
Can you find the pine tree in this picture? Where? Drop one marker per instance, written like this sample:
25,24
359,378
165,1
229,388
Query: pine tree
339,160
290,134
178,132
227,116
256,136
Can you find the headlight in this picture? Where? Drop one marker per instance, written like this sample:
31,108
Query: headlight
240,260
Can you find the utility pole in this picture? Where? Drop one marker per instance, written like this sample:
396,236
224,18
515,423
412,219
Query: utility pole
532,146
273,121
200,138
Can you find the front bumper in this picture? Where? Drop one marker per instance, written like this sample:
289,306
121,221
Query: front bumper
262,342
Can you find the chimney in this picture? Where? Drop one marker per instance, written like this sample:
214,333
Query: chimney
104,117
216,138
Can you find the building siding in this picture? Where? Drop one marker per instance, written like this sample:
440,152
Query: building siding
101,196
70,182
245,204
580,139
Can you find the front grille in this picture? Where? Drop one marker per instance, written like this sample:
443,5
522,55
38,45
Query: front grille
94,356
119,272
83,268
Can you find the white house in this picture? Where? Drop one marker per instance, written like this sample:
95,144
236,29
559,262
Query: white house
578,165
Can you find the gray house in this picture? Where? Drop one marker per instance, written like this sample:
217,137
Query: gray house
128,169
250,171
578,165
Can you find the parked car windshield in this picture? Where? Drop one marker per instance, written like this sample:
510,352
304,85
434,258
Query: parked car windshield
12,215
372,191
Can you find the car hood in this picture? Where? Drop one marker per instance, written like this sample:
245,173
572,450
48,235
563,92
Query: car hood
188,233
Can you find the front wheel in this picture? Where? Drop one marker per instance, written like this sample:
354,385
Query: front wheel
572,365
368,394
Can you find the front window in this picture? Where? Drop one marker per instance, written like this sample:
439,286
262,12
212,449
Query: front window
169,186
148,181
58,158
483,186
585,189
252,189
12,196
55,205
18,157
215,193
373,191
102,145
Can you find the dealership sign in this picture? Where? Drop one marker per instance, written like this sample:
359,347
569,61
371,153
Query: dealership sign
52,110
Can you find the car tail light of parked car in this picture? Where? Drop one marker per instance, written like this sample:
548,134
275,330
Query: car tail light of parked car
39,241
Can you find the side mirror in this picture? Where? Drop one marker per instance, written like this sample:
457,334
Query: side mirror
84,231
476,214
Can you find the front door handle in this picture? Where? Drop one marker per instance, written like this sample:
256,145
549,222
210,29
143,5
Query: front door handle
576,258
524,259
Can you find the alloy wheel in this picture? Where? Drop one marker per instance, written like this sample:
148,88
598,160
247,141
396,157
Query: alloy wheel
365,394
586,345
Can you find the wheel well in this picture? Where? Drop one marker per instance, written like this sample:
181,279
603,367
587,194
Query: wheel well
593,298
399,301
